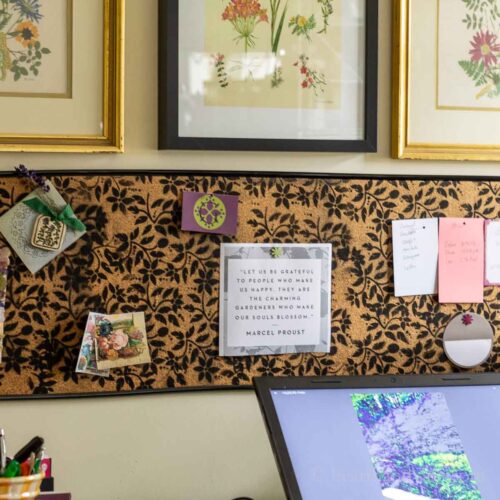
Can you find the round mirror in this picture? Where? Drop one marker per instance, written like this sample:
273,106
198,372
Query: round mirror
468,340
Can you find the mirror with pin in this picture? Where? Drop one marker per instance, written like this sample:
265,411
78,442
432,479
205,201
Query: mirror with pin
468,340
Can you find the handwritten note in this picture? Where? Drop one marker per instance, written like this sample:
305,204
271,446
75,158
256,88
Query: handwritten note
415,252
274,302
492,264
461,260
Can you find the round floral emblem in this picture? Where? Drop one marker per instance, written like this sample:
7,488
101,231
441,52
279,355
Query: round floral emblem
209,212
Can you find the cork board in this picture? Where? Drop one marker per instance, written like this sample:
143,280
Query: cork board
134,257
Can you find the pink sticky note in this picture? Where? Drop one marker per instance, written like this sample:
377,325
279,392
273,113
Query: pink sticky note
461,260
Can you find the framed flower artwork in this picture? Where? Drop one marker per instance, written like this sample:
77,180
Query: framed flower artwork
60,59
446,86
35,60
282,75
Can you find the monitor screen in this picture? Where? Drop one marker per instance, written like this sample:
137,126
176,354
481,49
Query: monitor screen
398,443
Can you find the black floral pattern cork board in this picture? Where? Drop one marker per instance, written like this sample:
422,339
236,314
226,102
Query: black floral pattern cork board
135,257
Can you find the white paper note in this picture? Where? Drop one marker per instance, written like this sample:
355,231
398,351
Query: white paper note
274,302
415,251
492,251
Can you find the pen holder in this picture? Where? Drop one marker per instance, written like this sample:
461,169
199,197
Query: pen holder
19,488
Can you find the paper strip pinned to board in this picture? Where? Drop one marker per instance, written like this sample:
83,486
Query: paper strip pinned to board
415,253
492,252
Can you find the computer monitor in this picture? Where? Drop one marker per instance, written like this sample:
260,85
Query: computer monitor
399,438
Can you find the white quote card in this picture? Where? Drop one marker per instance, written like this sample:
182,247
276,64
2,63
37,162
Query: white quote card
492,251
273,302
415,245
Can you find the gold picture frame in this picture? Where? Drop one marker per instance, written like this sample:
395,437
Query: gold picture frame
402,146
111,139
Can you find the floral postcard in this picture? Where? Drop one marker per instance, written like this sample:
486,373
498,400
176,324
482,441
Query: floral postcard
87,362
121,340
17,227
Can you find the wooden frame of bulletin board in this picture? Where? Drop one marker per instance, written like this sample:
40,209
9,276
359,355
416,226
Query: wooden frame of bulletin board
135,257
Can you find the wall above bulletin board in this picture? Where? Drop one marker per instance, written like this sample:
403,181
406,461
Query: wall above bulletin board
134,257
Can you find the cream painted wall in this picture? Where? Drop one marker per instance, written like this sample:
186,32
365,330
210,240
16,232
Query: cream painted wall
185,446
206,446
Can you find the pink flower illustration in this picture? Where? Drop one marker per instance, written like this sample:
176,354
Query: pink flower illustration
310,78
483,54
118,339
218,58
485,48
467,319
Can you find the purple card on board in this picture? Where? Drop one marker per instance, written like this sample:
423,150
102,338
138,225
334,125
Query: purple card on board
209,213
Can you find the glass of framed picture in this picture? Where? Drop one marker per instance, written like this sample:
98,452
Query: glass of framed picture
60,59
446,87
283,75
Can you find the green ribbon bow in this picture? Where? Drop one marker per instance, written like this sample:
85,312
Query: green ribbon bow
66,216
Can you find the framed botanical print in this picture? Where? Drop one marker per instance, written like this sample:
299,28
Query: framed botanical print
60,59
36,58
446,82
283,75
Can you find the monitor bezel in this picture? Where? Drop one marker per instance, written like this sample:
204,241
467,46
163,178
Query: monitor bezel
264,385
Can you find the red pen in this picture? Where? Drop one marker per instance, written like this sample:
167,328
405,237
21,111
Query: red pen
25,469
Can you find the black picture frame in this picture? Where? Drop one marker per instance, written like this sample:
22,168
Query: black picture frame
168,90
